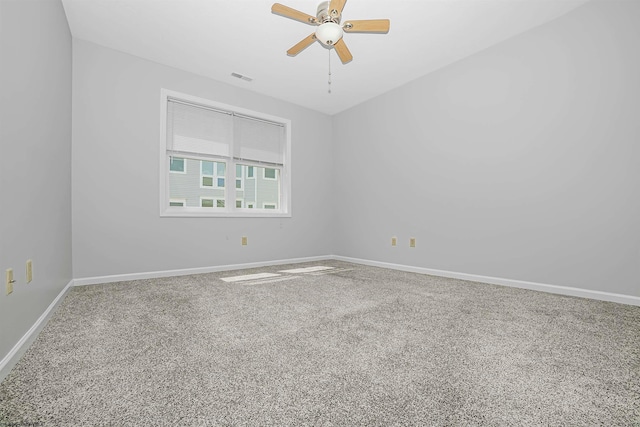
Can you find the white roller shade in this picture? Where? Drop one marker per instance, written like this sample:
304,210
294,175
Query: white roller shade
258,140
194,129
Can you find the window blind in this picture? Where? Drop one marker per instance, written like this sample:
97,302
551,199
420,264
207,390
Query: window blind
201,130
258,140
198,130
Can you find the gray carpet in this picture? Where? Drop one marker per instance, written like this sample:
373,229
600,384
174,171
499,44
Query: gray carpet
354,346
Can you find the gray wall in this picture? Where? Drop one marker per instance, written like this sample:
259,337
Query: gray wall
116,129
35,175
519,162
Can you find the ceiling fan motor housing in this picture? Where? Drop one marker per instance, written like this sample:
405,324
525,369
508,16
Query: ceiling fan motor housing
324,14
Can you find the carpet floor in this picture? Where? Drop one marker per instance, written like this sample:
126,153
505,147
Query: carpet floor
348,346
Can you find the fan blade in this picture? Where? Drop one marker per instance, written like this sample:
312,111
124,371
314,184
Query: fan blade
287,12
302,45
367,26
337,5
343,51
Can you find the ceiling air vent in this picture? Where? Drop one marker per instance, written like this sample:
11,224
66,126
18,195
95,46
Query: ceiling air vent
240,76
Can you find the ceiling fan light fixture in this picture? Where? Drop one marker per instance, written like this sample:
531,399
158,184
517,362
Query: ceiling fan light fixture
329,33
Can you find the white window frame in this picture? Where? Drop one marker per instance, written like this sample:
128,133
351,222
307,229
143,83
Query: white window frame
230,190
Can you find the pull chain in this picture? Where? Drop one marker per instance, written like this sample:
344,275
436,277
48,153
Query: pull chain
329,85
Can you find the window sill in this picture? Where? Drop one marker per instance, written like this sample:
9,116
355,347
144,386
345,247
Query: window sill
226,214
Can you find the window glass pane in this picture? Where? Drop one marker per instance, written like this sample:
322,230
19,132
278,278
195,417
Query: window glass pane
238,203
213,172
260,191
220,203
270,173
191,187
206,203
269,206
207,168
176,204
176,164
239,175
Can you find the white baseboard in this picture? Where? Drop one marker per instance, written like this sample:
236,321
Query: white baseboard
554,289
186,271
7,363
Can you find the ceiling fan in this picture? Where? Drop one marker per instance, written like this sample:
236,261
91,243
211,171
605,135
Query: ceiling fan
329,31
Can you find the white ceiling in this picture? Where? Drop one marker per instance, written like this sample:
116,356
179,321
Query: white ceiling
214,38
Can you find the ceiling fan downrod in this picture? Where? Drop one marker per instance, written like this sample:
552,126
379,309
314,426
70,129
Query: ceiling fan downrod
324,15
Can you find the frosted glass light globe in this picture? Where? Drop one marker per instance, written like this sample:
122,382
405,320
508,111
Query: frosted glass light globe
329,33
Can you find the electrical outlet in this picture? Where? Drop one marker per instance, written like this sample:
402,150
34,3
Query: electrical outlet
244,240
394,241
29,271
412,242
9,280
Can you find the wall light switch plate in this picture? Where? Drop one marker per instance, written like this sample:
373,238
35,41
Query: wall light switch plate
412,242
244,240
9,280
394,241
29,271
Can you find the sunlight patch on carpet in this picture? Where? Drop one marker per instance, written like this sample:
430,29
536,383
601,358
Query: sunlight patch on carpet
307,269
249,277
337,270
260,282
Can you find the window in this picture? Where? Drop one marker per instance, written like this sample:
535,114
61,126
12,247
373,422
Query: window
211,203
177,165
264,189
212,174
239,180
219,160
270,173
